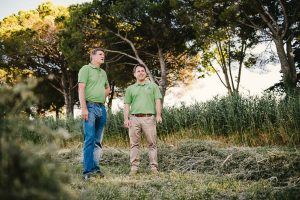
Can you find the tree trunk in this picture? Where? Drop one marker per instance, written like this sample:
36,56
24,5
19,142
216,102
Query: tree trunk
224,67
287,67
163,71
111,96
241,60
67,87
56,113
226,76
68,104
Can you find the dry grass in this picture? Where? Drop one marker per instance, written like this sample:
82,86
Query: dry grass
192,169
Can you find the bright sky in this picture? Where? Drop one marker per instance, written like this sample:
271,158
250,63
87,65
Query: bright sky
9,7
253,82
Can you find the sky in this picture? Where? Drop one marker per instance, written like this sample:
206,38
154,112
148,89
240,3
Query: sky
253,82
9,7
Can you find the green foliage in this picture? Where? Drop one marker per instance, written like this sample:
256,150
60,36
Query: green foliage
146,25
27,169
24,175
46,102
224,44
277,21
31,40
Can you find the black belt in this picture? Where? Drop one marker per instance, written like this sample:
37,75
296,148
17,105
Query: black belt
142,115
99,104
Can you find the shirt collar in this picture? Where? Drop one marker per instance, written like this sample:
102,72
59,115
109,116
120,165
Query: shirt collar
94,67
142,84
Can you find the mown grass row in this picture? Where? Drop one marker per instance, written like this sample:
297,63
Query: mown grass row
193,169
249,120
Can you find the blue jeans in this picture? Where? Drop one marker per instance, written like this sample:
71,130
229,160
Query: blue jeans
93,134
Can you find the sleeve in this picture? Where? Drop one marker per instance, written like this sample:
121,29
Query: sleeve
127,98
157,93
83,75
106,84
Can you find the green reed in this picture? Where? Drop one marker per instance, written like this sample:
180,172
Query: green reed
252,120
278,119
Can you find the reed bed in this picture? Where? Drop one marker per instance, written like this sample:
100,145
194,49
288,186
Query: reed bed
266,120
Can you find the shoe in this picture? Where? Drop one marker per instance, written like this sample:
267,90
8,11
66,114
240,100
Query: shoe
133,172
86,177
99,173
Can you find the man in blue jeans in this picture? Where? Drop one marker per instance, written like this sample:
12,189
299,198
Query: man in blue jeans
93,88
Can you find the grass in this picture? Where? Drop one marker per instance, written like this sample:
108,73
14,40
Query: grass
251,121
215,150
191,169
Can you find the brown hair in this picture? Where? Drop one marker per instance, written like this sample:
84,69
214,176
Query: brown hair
139,65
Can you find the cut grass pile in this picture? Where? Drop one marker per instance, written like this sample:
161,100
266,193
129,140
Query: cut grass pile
192,170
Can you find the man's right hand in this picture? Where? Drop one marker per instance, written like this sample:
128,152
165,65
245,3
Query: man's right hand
84,113
127,123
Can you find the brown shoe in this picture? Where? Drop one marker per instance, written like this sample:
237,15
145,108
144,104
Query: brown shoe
133,172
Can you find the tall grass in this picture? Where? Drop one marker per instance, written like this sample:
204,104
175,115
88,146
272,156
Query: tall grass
249,120
253,120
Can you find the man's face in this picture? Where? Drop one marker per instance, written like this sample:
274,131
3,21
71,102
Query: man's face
140,74
98,57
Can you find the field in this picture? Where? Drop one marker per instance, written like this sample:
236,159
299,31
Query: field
191,169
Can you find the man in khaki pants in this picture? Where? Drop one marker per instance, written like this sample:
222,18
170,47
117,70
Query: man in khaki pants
143,103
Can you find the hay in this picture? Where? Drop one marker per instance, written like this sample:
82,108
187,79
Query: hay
282,165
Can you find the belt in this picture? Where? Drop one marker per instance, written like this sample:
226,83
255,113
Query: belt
99,104
142,115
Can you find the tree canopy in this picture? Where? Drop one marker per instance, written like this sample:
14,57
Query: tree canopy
171,38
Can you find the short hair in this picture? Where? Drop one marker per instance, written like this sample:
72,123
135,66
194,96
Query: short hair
94,51
139,65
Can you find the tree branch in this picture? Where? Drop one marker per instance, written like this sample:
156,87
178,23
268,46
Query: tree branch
115,58
121,52
137,57
56,88
218,74
286,27
269,15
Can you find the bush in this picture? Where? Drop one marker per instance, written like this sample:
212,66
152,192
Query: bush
27,169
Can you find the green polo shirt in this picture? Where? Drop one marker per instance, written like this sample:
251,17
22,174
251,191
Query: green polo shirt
142,97
95,80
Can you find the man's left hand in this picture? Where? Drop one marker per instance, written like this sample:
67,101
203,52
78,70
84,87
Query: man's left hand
158,119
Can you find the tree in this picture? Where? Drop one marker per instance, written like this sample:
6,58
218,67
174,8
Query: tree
30,40
143,31
227,49
54,102
277,20
46,102
11,76
223,44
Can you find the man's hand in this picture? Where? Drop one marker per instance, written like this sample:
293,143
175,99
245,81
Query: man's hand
84,113
158,119
127,123
107,92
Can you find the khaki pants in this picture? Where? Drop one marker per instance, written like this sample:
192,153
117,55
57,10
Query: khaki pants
147,125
